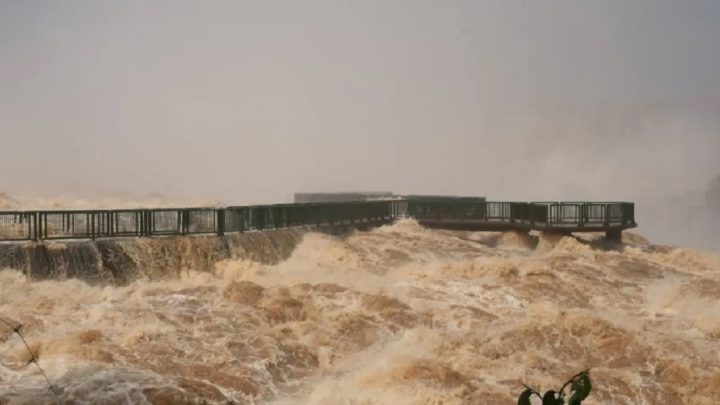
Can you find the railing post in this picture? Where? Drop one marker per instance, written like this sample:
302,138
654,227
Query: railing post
36,226
145,220
146,223
220,221
531,213
606,216
138,222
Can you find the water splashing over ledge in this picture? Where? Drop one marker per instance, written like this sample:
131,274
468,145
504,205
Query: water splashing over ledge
400,314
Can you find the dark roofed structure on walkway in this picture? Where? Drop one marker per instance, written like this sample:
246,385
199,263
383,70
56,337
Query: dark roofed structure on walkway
341,197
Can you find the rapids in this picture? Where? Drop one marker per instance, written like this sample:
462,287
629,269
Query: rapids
397,315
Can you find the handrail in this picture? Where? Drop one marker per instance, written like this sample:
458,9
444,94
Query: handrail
109,223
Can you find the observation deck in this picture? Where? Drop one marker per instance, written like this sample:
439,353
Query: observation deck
459,213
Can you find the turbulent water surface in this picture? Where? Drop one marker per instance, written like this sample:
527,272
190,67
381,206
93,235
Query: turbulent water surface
398,315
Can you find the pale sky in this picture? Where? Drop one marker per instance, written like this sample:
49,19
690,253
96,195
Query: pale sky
251,101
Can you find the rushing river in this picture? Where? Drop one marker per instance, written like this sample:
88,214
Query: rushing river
398,315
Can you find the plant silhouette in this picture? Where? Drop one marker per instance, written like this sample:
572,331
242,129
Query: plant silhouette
580,387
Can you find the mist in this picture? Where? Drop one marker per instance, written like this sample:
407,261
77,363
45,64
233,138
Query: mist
248,102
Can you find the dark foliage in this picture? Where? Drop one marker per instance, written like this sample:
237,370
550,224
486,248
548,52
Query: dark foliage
580,387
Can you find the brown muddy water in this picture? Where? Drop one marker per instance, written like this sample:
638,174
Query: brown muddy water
398,315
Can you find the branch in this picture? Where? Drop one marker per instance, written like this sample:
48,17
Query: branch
33,357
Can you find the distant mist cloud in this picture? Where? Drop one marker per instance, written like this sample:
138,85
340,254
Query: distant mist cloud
248,102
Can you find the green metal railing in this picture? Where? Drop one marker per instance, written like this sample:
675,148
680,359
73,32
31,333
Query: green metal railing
535,215
92,224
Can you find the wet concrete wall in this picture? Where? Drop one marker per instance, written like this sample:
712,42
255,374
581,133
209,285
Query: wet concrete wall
120,261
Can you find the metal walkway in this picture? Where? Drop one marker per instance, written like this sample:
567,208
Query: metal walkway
474,214
609,217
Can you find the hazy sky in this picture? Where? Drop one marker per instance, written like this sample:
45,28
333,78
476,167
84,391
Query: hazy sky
251,101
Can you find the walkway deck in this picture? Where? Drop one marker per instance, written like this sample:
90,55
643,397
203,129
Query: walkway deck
446,213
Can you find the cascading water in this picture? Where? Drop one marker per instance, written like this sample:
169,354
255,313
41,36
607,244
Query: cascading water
397,315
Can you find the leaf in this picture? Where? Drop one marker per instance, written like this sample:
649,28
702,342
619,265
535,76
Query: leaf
581,388
587,387
524,398
550,398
